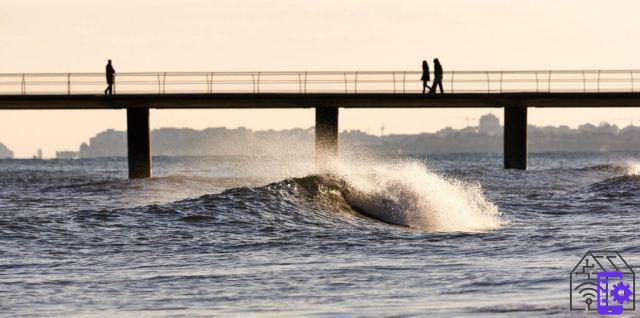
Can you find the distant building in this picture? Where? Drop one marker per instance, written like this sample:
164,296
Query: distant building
66,154
5,152
490,125
447,131
38,154
607,128
588,128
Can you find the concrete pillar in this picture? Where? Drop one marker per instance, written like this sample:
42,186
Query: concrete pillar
515,137
326,134
138,143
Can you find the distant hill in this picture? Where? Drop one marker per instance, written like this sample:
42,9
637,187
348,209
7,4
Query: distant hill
486,137
5,152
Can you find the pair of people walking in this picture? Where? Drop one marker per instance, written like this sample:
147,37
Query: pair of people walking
437,77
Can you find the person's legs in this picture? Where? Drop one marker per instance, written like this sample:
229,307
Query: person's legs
425,86
434,86
440,84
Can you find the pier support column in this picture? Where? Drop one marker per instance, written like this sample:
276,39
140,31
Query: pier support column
326,134
515,137
138,143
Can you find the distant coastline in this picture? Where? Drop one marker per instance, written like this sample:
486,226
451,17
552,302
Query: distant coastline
484,138
5,152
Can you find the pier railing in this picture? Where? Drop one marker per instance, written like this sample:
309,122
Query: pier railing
352,82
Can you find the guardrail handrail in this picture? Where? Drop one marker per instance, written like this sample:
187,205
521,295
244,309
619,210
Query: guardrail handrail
309,82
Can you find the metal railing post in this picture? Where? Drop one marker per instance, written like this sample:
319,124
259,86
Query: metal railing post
253,82
23,86
404,77
453,73
258,83
211,83
394,81
537,83
598,81
549,81
584,82
501,76
356,84
164,83
346,88
159,84
632,83
305,82
489,83
68,83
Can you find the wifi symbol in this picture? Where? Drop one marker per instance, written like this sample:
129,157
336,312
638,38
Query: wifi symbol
588,291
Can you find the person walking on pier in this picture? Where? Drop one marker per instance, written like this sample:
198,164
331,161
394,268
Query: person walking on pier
426,76
437,77
111,76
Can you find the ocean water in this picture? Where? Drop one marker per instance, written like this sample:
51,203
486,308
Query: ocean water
438,235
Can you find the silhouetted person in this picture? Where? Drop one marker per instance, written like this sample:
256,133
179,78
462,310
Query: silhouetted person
111,76
437,77
426,76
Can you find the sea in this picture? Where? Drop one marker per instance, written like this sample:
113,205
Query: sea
422,235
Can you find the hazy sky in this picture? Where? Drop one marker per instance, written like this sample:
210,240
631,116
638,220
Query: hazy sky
208,35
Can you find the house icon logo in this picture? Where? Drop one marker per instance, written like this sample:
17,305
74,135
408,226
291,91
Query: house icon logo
602,281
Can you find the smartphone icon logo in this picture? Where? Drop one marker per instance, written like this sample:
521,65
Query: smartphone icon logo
606,303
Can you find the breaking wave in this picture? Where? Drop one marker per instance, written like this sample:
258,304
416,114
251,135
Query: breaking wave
625,168
409,194
402,194
625,183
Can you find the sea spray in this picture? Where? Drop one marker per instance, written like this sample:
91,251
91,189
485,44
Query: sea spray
409,194
632,168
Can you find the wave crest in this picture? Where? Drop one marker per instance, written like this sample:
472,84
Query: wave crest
408,194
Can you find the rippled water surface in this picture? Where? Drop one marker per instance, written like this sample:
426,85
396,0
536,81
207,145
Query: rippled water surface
447,235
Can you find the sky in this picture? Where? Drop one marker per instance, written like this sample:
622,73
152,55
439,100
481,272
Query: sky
278,35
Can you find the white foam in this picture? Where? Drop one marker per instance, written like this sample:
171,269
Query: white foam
409,194
632,168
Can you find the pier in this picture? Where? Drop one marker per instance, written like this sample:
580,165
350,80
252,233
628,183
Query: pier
327,92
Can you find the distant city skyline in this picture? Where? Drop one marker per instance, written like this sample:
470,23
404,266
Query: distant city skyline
196,35
453,122
485,136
